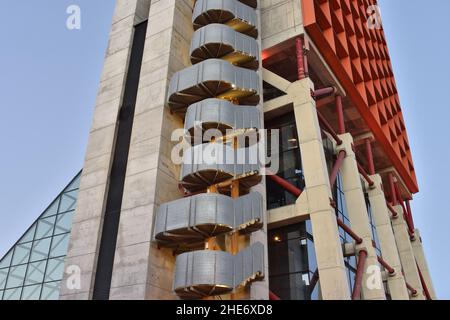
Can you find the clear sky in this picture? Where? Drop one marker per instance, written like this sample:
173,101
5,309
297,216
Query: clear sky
49,78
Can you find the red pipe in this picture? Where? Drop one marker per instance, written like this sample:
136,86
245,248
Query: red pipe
408,222
408,208
411,289
337,166
340,114
362,257
424,284
394,213
273,296
329,128
305,56
365,175
297,192
323,92
301,74
386,265
369,156
349,231
285,184
392,186
405,213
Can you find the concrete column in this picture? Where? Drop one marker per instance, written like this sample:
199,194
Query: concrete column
141,270
422,262
388,246
259,290
359,218
88,219
317,195
406,253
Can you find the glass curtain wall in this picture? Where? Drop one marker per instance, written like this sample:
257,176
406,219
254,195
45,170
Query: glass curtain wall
33,268
290,161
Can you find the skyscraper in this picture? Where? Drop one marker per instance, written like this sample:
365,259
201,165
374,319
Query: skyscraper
330,218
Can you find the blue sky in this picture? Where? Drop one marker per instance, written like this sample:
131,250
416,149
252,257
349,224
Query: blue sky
49,78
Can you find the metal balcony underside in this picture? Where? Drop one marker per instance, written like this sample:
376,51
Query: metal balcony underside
213,78
232,13
205,273
206,165
250,3
221,115
222,42
193,220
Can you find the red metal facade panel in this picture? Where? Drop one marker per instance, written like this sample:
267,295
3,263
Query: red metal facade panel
359,57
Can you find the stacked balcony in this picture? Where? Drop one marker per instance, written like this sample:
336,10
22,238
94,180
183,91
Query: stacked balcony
220,92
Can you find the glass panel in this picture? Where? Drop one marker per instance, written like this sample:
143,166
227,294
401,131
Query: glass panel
75,184
68,201
32,292
3,275
16,276
40,249
309,228
27,237
45,227
1,294
53,209
311,256
21,253
35,273
50,291
288,257
6,261
59,245
63,223
291,287
12,294
55,269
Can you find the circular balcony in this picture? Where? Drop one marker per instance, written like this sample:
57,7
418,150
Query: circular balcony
210,164
220,115
213,78
206,273
221,42
192,220
232,13
250,3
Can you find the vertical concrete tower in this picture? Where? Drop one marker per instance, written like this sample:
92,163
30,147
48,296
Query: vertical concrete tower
145,227
334,222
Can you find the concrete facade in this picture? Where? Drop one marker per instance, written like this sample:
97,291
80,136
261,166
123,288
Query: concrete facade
359,217
422,263
382,218
88,219
406,253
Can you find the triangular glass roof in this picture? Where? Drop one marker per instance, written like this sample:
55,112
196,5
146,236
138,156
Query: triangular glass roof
33,268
